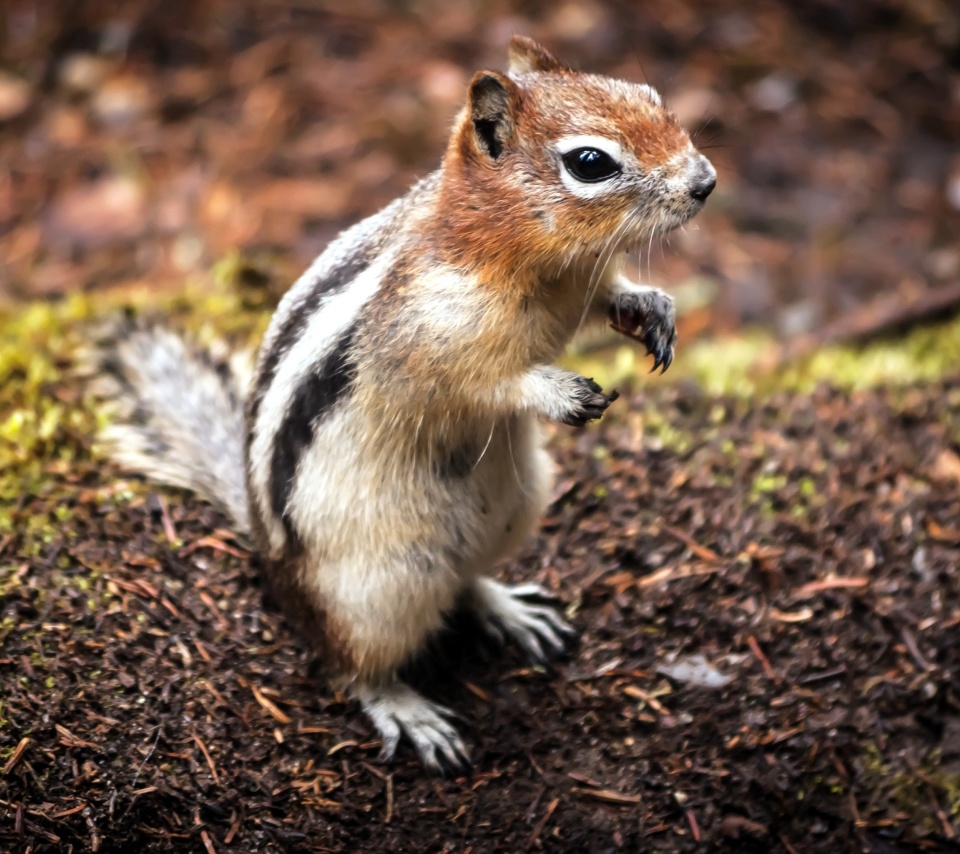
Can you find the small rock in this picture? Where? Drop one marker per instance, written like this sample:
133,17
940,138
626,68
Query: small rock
82,72
14,96
695,670
121,101
920,565
798,318
946,467
773,93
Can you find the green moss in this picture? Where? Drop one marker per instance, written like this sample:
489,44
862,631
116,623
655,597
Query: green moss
45,423
910,789
660,433
767,483
749,363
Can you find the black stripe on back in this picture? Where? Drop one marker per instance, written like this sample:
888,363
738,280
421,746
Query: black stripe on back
314,398
295,323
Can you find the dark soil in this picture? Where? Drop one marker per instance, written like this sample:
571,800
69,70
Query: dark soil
806,547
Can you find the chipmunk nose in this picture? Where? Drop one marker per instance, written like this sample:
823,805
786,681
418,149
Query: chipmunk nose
704,182
703,189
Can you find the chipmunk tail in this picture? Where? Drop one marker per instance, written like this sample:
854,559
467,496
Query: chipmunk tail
176,409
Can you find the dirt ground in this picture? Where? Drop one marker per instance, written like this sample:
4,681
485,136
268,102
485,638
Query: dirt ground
766,587
769,608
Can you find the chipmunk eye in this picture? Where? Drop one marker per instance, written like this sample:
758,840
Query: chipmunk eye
590,164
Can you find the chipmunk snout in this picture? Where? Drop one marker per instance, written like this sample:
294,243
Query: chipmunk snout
704,180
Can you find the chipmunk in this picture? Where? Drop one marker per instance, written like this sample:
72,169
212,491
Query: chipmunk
386,450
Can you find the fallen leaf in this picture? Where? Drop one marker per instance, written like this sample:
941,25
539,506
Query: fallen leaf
946,467
941,534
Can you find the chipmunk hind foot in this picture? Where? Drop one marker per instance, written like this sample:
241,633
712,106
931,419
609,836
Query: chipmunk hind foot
514,613
397,709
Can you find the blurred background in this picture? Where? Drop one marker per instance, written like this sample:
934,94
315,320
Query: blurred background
142,142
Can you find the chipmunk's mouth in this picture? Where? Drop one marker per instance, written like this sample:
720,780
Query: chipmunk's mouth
682,195
670,218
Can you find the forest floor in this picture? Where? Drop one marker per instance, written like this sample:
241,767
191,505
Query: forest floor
759,549
765,586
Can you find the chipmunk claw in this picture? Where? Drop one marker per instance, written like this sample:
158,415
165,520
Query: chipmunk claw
657,352
590,402
648,317
515,613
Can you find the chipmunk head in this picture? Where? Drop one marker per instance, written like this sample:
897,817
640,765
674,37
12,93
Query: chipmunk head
572,163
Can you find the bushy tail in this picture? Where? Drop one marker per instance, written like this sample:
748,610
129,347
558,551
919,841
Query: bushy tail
178,410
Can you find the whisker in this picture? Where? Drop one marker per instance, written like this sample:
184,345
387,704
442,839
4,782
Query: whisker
649,253
705,119
513,460
493,426
594,272
599,268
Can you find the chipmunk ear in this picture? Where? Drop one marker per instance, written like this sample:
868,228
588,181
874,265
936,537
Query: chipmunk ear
492,105
527,55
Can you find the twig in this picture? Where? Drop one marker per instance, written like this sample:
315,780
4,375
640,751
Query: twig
209,758
701,552
764,661
18,752
94,835
234,827
541,824
136,776
215,544
830,583
787,845
639,694
692,821
389,799
608,795
269,705
338,747
911,644
170,532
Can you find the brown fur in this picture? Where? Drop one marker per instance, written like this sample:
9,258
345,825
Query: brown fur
392,448
492,222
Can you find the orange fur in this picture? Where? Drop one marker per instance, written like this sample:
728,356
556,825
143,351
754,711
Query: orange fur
493,220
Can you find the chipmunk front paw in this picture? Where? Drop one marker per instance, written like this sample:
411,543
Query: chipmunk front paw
589,402
648,317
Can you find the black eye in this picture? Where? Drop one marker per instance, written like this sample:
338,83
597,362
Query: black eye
590,165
